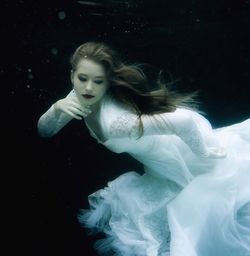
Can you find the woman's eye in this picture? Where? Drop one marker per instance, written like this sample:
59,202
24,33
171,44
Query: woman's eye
83,79
99,82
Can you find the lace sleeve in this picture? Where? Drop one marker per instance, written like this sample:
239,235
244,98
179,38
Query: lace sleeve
182,124
177,123
192,136
51,123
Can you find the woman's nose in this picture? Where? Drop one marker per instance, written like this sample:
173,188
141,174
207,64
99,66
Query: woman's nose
89,86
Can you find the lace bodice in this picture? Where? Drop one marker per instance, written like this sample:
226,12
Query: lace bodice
126,125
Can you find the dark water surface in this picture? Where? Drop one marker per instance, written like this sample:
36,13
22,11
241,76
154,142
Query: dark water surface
46,181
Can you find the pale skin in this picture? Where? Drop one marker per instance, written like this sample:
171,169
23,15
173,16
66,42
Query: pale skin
90,84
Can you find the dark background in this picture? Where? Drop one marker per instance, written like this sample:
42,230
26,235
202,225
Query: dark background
45,182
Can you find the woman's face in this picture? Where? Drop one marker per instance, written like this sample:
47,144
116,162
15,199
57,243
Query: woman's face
90,82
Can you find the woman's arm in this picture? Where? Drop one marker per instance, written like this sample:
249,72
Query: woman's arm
59,114
180,123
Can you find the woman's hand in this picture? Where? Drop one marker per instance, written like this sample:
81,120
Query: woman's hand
72,107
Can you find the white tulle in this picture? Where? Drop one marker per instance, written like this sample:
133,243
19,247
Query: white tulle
186,203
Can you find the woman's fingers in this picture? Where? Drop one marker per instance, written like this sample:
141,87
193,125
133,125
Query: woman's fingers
84,109
73,108
72,114
79,113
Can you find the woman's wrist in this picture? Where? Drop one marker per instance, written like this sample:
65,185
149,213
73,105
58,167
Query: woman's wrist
56,108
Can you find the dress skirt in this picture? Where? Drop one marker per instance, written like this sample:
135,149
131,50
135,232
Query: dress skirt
146,215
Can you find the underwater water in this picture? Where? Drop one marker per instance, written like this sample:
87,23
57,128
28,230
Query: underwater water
204,44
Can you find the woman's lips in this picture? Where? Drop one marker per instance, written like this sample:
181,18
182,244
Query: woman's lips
88,96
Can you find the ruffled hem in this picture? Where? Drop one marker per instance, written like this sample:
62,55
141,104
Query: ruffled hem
132,212
142,215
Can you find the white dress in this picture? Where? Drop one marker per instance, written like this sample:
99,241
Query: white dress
186,203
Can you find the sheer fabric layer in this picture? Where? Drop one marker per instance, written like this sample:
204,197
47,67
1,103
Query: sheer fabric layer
151,215
184,204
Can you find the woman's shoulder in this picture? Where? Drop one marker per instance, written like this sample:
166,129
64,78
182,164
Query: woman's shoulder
188,111
113,108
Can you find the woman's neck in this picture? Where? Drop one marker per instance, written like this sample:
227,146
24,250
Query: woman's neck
94,110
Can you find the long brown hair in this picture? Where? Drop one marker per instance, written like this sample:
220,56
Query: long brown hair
130,85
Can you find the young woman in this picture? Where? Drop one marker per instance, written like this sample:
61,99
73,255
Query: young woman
194,197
